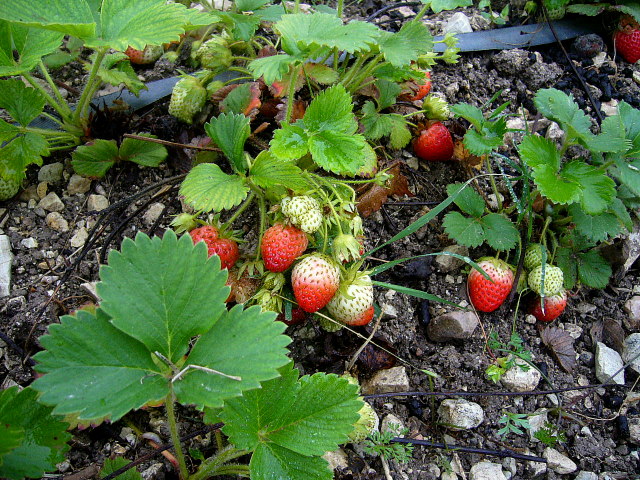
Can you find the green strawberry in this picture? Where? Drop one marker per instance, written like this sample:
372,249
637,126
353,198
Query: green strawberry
553,280
366,424
214,54
533,255
353,303
9,187
187,99
304,212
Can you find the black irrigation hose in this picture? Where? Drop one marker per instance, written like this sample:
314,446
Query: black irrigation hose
26,358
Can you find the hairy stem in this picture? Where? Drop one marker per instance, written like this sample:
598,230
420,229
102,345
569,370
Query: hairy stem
239,211
54,88
263,221
175,436
215,465
366,72
422,12
80,115
492,179
291,94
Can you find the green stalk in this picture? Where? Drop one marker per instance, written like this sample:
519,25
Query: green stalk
263,222
54,87
213,465
239,211
355,84
60,109
296,8
422,12
492,180
175,436
79,117
235,469
353,71
291,94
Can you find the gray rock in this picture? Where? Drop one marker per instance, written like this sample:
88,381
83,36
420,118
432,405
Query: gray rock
15,305
78,184
448,476
386,381
51,173
535,469
389,310
336,459
29,242
51,203
391,423
79,237
458,23
634,430
511,62
631,351
584,475
457,325
630,249
608,362
516,379
57,222
6,259
558,462
460,414
632,307
555,133
537,420
153,213
448,263
96,203
486,471
153,472
610,109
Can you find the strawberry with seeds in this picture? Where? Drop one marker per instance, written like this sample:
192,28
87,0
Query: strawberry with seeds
281,245
627,39
553,307
487,295
353,303
315,280
225,248
149,54
434,144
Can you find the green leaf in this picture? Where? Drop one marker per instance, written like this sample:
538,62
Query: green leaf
538,152
466,231
400,133
332,110
388,93
631,118
116,69
147,154
111,466
20,152
43,443
595,227
95,159
245,335
593,270
250,5
270,462
323,74
631,8
416,293
560,107
29,45
135,285
95,370
468,200
8,131
612,137
405,46
272,68
237,100
230,132
268,171
243,27
585,9
619,209
439,5
375,125
208,188
627,170
598,190
500,233
339,153
23,103
321,408
470,113
482,143
566,260
289,142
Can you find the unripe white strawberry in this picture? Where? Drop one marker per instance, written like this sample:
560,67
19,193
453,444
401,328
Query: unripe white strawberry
553,280
366,424
304,212
187,99
214,54
9,187
533,255
353,303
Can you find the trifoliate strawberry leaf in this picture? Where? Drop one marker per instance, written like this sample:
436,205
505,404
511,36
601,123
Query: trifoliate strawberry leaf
43,442
20,152
466,231
405,46
335,152
289,142
560,107
95,370
23,103
208,188
95,159
270,461
439,5
470,113
320,408
21,48
595,227
116,69
134,290
593,270
230,132
272,68
400,133
375,125
253,350
611,138
500,232
332,110
268,171
147,154
597,189
467,200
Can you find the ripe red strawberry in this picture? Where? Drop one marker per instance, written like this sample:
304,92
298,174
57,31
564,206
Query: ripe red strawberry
488,295
553,307
315,280
353,303
627,39
298,315
434,144
424,89
281,245
225,248
141,57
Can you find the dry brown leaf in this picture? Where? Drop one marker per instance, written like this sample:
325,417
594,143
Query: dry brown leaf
561,345
464,156
613,335
376,196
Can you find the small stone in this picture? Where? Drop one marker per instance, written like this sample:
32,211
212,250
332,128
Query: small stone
585,308
517,379
632,308
492,201
387,381
154,212
391,423
389,311
458,23
537,420
634,430
636,76
599,59
631,351
78,184
559,463
412,163
589,45
554,132
535,469
41,190
51,173
448,476
15,305
79,238
460,414
90,288
51,203
336,459
449,263
96,203
63,466
584,475
530,319
57,222
486,471
610,108
29,242
28,194
153,472
608,362
456,325
6,259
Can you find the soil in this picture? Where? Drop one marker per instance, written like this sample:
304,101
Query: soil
48,282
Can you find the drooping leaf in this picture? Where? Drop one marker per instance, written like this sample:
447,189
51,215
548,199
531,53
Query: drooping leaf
464,230
23,103
400,133
230,132
336,152
95,158
561,345
482,143
208,188
595,227
323,74
111,466
388,93
23,150
272,68
332,110
21,48
405,46
289,142
242,100
143,153
468,200
500,232
375,125
267,171
593,270
470,113
42,443
116,69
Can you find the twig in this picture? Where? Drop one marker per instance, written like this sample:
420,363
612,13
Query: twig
366,342
170,144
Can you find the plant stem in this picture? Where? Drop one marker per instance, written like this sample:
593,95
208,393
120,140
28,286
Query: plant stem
291,94
49,99
213,465
355,85
422,12
54,88
296,8
355,68
263,221
175,436
494,187
79,117
239,211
